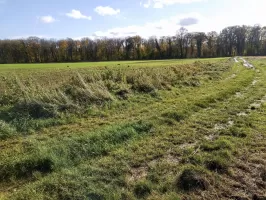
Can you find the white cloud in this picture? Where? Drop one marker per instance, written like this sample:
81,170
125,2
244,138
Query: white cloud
27,36
47,19
163,27
147,5
76,14
162,3
106,10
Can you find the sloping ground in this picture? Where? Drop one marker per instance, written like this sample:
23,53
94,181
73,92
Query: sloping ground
203,141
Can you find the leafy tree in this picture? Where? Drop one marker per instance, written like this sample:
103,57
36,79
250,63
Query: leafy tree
233,40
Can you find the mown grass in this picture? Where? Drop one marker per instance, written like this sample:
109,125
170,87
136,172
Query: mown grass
50,156
116,64
187,141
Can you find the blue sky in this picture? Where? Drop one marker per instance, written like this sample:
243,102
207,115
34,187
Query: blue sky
119,18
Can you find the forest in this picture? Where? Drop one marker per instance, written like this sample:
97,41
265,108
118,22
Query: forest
231,41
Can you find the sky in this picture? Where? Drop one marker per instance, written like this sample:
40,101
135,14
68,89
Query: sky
76,19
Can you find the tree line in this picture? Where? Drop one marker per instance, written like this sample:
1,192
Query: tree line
231,41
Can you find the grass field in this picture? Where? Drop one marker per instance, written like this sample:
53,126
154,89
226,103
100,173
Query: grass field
95,65
189,129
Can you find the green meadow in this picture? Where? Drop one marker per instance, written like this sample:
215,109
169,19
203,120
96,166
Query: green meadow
164,129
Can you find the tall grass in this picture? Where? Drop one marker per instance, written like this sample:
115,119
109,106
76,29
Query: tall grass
6,130
81,90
